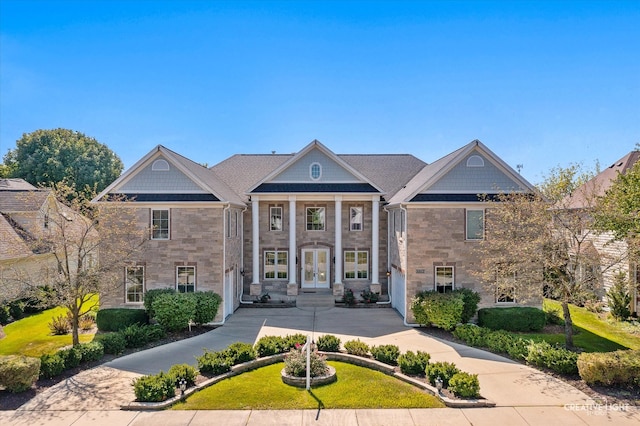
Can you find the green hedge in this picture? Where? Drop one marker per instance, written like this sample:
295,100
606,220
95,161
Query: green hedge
465,385
555,358
18,373
207,304
356,347
512,319
386,353
51,365
151,295
328,343
414,364
173,311
442,310
619,368
115,319
155,388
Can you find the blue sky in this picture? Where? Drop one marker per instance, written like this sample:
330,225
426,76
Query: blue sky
540,83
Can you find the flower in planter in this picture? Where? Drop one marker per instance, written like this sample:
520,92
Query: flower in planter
295,363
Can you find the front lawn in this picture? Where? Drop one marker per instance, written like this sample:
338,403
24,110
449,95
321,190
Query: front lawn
263,389
31,336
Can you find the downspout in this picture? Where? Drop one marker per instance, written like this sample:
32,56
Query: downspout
388,260
242,302
406,219
224,260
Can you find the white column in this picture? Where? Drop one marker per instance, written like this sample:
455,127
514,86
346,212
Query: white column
292,240
375,240
338,242
255,239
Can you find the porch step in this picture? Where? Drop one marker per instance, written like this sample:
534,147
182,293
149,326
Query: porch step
315,300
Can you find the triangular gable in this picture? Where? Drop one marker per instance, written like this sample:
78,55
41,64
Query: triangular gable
163,175
315,169
463,175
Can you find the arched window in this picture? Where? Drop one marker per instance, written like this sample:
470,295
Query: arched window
160,166
315,171
475,161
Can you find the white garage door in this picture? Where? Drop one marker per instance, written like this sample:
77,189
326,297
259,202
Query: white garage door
398,292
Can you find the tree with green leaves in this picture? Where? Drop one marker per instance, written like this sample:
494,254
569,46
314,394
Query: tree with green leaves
48,157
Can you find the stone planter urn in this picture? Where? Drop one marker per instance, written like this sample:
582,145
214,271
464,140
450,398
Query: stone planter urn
301,382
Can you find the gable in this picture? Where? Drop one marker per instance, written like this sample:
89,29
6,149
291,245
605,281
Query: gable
159,179
300,170
475,174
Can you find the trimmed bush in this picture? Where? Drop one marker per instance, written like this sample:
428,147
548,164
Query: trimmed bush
91,351
270,345
115,319
470,300
150,297
465,385
501,341
173,311
386,353
239,352
135,335
619,368
293,340
71,357
557,359
214,362
328,343
444,370
113,343
51,365
519,318
154,388
471,334
414,364
18,373
356,347
207,304
183,371
155,332
442,310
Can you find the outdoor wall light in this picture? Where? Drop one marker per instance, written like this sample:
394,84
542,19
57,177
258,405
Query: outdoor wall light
388,273
439,384
183,385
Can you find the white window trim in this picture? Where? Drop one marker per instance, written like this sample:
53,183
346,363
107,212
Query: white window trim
355,271
276,265
466,224
194,277
271,215
361,223
160,165
126,285
311,171
168,224
453,276
306,219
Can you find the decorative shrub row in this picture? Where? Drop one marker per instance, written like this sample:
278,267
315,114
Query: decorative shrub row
512,319
414,364
174,310
462,384
386,353
619,368
555,358
328,343
52,365
115,319
445,310
18,373
221,361
154,388
357,348
271,345
132,336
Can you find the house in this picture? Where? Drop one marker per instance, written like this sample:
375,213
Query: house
311,221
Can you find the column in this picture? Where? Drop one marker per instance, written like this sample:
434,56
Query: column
292,240
256,288
338,241
375,242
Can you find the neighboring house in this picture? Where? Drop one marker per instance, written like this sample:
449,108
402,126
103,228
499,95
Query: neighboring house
603,243
24,216
310,221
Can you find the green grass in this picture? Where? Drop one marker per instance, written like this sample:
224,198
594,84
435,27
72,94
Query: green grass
263,389
594,333
31,336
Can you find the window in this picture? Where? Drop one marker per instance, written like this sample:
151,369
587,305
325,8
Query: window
315,218
475,224
275,215
160,166
444,279
475,161
186,279
160,224
134,284
276,265
355,218
315,171
356,264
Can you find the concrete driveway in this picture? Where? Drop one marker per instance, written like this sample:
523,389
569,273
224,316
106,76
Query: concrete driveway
503,381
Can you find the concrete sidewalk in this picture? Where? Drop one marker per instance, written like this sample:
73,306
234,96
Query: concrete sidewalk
522,394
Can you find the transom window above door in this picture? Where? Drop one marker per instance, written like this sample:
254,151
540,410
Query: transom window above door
315,218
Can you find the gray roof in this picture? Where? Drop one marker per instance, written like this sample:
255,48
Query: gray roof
15,184
12,201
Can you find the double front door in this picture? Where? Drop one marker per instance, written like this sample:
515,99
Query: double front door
315,268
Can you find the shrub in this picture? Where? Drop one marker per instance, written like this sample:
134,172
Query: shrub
465,385
51,365
71,357
239,352
183,371
293,340
213,362
113,343
619,368
154,388
618,297
553,316
512,319
501,341
414,364
115,319
87,322
518,348
558,359
91,351
18,373
328,343
444,370
60,325
295,364
16,309
386,353
356,347
442,310
155,332
173,311
471,334
5,317
470,300
207,304
348,298
150,297
270,345
369,297
135,335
